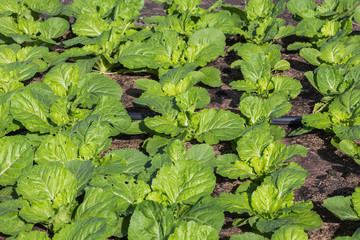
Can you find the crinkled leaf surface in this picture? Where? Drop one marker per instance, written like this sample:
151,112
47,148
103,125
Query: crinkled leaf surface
185,181
16,157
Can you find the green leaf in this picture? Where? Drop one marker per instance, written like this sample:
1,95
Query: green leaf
88,228
51,181
229,165
8,26
113,112
207,212
209,76
162,124
253,143
341,207
127,190
91,135
48,7
350,149
218,125
258,9
136,55
194,231
265,200
38,235
156,144
9,5
253,108
290,233
208,35
12,224
176,150
332,53
151,220
41,211
281,65
94,205
285,31
91,26
146,84
239,203
317,120
328,80
61,77
16,157
185,181
311,55
248,236
298,45
56,148
356,200
83,172
306,219
54,27
26,109
113,162
203,153
357,15
287,179
258,67
309,27
95,85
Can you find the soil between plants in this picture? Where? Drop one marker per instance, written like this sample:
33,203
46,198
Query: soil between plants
331,173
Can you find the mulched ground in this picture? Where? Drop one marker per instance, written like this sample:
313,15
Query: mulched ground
331,172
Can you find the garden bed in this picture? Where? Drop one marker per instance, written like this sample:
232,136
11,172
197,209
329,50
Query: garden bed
331,172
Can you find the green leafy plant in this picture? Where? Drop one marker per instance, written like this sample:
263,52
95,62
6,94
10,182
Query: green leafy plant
259,154
342,118
21,22
266,96
332,83
167,49
186,17
345,208
18,64
343,53
259,81
321,22
272,53
260,23
102,27
271,205
67,100
177,100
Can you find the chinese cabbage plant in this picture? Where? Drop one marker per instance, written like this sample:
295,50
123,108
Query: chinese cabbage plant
266,96
260,23
101,28
69,101
343,53
176,98
166,50
270,205
319,23
345,208
186,17
21,22
260,153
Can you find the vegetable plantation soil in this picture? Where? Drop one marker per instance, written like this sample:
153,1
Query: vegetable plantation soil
331,173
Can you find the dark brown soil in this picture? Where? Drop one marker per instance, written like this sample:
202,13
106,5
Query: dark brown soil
330,172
